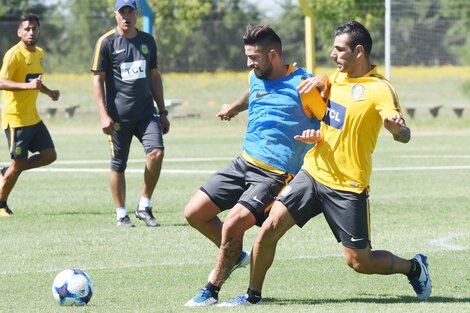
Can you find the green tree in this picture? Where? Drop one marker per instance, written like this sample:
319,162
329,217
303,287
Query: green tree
84,22
209,39
10,12
290,27
329,14
458,36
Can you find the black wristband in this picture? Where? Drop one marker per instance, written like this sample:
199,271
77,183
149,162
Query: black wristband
163,112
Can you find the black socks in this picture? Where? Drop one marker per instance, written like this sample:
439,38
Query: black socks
415,270
253,296
213,289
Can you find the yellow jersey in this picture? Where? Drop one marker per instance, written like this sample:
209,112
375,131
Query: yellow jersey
19,107
355,112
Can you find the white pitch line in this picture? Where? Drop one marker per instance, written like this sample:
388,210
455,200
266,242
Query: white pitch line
210,171
106,170
422,168
435,156
444,242
166,160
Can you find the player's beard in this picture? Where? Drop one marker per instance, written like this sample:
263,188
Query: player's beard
264,73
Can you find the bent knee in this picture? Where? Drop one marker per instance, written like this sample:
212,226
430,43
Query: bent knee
357,264
156,155
49,156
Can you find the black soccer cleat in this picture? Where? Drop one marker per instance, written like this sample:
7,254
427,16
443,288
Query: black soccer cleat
147,216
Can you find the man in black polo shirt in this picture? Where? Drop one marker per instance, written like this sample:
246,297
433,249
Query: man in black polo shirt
126,83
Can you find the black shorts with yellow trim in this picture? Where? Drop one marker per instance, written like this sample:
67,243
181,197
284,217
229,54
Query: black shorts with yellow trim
242,182
32,138
347,213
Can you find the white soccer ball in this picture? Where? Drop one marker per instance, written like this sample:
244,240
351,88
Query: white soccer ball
72,287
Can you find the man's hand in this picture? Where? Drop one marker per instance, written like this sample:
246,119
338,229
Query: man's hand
107,125
397,127
309,136
54,94
227,113
165,123
35,83
318,81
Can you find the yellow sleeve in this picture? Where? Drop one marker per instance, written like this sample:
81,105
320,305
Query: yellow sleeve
313,104
8,66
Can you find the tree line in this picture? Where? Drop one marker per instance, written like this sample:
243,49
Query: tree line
206,35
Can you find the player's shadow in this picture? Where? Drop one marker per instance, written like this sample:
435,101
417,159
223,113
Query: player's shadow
381,299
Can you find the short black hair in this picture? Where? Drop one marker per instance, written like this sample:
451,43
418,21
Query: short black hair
358,34
263,36
29,17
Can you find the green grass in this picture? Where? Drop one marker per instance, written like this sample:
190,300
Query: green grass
420,203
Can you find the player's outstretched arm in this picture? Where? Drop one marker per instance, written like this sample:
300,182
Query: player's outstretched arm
229,111
397,127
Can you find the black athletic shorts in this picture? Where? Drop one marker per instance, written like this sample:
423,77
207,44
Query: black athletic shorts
242,182
347,213
147,131
32,138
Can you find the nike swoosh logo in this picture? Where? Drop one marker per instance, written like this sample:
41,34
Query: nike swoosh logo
155,115
356,239
255,198
260,94
119,51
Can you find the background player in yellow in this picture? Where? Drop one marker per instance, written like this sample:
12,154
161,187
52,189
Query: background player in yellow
21,82
334,180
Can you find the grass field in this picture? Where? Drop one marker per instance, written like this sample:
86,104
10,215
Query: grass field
64,218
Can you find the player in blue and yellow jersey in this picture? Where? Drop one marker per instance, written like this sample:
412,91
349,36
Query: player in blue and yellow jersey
21,82
271,156
126,83
334,180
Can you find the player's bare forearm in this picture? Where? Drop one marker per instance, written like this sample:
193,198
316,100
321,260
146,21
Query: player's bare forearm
157,89
229,111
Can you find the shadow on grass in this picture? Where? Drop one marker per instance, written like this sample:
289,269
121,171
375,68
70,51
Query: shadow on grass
378,300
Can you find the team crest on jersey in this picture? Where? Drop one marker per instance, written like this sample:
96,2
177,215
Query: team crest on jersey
18,150
144,49
357,91
117,126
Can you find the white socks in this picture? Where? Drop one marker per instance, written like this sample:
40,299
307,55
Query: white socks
121,212
144,202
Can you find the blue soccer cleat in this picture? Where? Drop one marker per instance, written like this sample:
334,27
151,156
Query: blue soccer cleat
422,284
240,300
203,298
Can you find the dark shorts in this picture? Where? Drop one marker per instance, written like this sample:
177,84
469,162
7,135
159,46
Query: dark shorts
32,138
247,184
147,131
347,213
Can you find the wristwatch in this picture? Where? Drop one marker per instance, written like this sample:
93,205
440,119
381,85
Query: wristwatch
163,112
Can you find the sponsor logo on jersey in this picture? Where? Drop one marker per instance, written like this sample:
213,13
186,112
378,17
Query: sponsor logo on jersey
30,77
335,115
133,70
261,94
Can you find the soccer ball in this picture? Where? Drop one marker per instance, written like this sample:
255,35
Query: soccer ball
72,287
